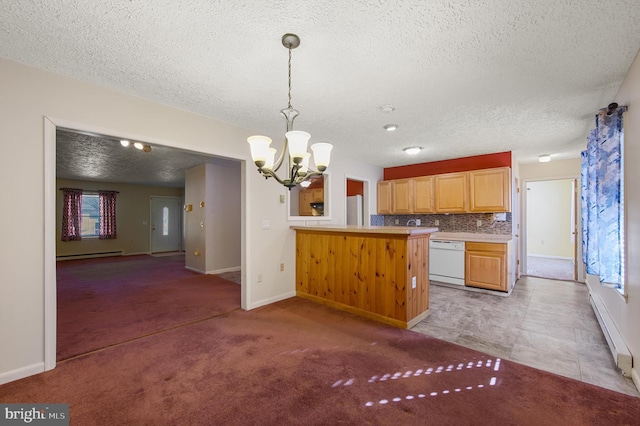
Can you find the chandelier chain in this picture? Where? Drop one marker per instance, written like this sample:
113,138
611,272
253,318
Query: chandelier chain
289,77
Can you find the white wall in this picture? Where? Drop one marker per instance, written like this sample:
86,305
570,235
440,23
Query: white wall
223,217
549,224
27,96
195,237
626,313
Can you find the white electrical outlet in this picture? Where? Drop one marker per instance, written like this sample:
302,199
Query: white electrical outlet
397,221
266,224
413,282
436,222
418,222
479,223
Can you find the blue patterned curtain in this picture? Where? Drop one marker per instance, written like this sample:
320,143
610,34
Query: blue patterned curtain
602,200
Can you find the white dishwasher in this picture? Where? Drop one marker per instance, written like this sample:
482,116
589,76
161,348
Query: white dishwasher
446,261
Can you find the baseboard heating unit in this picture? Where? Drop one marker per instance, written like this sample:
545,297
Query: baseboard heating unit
619,350
90,255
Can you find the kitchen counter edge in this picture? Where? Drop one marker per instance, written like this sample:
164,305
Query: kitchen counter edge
397,230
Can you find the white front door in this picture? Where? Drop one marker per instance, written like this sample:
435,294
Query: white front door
165,224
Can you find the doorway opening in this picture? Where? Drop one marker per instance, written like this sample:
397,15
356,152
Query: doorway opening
52,224
550,249
357,205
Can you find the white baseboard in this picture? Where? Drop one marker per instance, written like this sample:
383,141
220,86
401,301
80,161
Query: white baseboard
223,270
194,270
546,256
21,373
271,300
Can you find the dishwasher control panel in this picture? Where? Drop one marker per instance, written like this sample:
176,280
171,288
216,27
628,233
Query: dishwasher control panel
447,245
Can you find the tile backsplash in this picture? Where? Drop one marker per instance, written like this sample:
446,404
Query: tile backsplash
467,222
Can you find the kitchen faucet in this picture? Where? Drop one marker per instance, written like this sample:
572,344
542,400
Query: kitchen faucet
416,222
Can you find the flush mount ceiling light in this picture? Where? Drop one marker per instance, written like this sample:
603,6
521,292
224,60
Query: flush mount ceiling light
412,150
295,143
124,142
387,108
390,127
545,158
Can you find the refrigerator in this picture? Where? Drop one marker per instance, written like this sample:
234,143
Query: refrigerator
354,210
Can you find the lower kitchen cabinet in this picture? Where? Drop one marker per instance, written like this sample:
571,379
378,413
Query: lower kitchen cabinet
486,265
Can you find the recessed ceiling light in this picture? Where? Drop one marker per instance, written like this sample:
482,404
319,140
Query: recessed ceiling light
390,127
413,150
545,158
387,108
138,145
124,142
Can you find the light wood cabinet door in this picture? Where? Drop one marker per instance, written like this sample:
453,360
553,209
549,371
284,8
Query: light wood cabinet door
318,195
402,196
306,198
490,190
450,193
486,265
384,197
423,194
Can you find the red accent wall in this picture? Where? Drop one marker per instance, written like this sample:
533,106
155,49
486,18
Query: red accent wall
355,187
487,161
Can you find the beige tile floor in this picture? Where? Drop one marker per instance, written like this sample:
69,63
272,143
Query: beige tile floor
546,324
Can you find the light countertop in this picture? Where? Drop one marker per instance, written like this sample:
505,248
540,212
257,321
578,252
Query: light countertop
471,237
398,230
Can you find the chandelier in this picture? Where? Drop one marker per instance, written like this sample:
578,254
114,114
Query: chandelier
295,142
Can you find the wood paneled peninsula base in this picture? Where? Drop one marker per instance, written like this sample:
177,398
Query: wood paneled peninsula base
378,272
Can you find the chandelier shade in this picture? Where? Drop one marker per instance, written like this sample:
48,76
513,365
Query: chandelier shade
322,155
298,141
294,151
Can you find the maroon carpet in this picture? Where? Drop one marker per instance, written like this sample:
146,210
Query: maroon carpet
299,363
102,302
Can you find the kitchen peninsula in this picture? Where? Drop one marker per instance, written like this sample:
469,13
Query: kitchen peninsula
379,272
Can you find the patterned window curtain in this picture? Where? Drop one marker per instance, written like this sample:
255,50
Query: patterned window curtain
71,214
107,215
602,200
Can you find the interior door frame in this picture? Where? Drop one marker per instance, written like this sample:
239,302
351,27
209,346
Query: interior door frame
579,274
50,284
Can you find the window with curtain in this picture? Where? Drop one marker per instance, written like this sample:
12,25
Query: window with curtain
71,214
603,200
107,215
88,215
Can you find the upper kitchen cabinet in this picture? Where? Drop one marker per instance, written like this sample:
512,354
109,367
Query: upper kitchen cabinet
490,190
384,197
450,193
423,194
402,192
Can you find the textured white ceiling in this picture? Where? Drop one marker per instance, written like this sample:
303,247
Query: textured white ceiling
102,158
466,77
